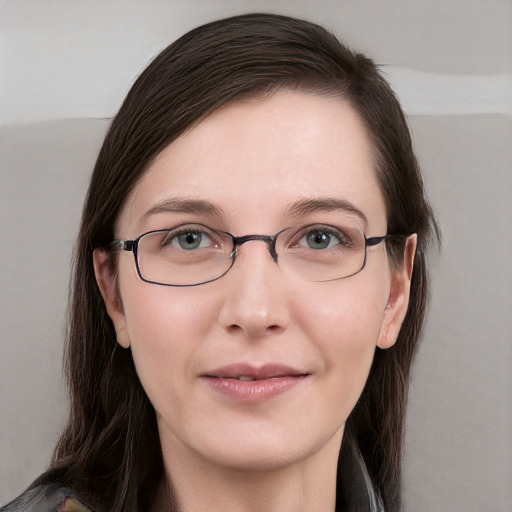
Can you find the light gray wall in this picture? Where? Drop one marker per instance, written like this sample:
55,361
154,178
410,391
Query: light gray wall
67,65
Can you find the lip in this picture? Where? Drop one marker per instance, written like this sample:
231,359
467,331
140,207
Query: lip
268,381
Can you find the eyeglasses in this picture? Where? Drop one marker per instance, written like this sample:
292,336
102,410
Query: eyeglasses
194,254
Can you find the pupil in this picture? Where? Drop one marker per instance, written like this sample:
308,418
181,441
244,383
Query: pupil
318,240
190,240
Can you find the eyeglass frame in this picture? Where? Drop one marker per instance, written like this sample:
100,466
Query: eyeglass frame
270,240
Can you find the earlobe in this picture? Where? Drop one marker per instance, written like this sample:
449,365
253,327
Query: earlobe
398,300
106,279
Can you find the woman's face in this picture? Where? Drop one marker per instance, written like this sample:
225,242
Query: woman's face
258,167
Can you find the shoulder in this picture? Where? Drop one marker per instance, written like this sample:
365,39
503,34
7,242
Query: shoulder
47,498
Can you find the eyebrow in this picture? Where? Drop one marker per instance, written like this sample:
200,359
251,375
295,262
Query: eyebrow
296,209
183,205
306,206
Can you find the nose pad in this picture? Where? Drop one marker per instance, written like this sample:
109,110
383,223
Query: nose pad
269,240
255,293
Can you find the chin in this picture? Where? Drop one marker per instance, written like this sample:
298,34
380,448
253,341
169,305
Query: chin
268,449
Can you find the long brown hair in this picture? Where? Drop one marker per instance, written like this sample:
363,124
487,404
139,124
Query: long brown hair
110,448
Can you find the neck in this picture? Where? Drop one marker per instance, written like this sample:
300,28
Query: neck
307,485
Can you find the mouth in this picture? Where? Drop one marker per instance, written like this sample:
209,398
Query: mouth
248,383
248,373
248,378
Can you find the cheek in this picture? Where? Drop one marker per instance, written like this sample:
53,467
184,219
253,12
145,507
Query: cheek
345,325
166,330
348,313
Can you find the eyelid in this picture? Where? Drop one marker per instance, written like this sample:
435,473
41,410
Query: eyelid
330,228
212,234
187,226
183,228
216,236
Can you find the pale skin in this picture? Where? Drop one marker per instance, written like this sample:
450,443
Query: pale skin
252,161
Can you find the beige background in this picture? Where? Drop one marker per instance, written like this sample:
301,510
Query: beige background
66,67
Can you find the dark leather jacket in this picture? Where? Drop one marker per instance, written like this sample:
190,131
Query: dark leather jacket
47,498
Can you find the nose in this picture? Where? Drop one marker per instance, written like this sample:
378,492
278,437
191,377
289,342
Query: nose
256,294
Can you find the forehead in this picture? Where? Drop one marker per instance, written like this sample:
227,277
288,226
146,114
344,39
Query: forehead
252,159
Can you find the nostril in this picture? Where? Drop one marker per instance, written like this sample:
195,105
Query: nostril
236,327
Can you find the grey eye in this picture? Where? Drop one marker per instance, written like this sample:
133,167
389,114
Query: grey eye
187,239
320,240
192,240
324,237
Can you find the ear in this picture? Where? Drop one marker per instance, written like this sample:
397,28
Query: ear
107,282
398,300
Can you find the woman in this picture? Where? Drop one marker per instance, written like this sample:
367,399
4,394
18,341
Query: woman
249,284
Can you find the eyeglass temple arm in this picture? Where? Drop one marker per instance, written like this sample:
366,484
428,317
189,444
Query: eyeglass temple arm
121,245
375,240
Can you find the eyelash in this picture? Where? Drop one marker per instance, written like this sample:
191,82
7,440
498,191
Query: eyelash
342,238
174,233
